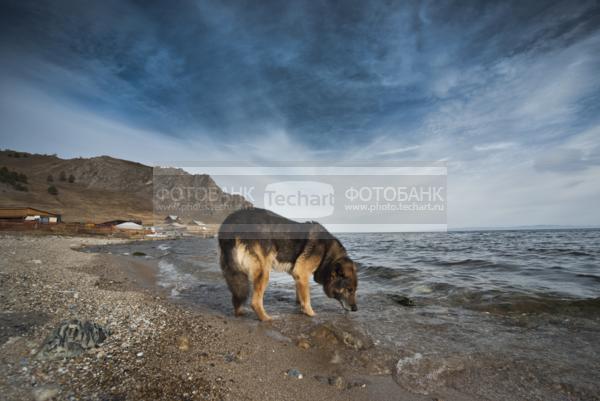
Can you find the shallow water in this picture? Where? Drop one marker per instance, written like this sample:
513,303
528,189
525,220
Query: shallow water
519,309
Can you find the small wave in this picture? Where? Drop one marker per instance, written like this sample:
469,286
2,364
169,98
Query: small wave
467,263
578,253
170,277
384,272
559,251
541,304
163,247
592,276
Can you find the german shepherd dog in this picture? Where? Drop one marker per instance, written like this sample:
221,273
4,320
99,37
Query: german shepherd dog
253,241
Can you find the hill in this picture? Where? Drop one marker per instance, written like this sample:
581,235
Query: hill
103,188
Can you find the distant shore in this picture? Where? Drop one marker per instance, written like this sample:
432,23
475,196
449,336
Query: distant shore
157,349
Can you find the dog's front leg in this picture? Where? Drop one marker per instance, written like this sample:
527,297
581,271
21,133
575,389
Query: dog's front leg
303,294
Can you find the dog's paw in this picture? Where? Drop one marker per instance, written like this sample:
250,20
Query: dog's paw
309,312
266,318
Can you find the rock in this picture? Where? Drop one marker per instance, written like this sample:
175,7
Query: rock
402,300
337,382
278,336
140,354
330,335
351,341
324,334
356,383
36,262
72,338
231,357
294,373
303,343
183,343
336,358
45,393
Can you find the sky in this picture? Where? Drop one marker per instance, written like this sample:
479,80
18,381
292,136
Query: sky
506,93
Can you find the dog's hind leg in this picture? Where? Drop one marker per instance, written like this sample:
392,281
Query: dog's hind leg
239,286
260,280
237,281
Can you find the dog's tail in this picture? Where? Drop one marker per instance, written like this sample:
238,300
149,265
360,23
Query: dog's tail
237,280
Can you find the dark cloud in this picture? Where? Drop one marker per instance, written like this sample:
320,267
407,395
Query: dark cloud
322,71
503,91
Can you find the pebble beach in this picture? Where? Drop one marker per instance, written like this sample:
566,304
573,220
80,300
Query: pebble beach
157,349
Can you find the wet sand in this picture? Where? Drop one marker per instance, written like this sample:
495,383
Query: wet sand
162,350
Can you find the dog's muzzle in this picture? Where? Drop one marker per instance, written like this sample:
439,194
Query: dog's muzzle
346,306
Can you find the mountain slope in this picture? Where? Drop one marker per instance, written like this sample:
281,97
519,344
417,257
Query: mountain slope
105,188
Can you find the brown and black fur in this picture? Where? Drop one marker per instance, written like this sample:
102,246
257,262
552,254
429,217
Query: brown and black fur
254,241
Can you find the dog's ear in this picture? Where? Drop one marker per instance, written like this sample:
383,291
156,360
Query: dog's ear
337,270
339,266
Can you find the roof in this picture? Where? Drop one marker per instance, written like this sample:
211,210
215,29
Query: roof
118,221
129,226
22,212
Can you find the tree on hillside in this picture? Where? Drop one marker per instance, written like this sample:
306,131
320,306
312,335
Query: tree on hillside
62,176
50,178
71,178
13,178
52,190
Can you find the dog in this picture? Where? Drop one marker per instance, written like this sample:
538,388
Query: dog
253,241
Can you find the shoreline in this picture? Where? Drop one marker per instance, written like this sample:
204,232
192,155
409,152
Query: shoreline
170,345
158,349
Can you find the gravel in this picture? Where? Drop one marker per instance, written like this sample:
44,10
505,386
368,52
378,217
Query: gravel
156,350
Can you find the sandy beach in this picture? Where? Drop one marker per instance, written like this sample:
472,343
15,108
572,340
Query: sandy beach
158,349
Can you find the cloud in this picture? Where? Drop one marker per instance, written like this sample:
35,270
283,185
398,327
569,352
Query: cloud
493,146
579,153
507,93
561,160
33,120
398,151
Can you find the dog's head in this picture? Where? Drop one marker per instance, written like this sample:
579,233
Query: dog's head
340,282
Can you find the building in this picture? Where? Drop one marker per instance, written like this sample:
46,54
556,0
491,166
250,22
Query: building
197,225
23,214
129,225
117,222
171,219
